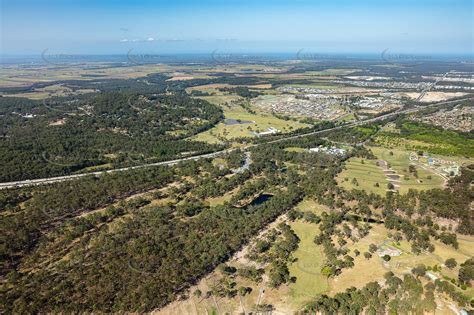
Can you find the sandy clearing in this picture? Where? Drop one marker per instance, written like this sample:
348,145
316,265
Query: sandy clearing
435,96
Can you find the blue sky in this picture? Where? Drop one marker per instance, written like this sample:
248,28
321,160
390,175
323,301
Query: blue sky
356,26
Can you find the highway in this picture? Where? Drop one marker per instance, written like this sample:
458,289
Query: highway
423,93
50,180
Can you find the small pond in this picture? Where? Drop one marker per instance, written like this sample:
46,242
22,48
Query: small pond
260,199
232,121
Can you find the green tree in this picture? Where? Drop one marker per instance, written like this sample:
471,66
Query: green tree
450,263
372,248
466,272
419,270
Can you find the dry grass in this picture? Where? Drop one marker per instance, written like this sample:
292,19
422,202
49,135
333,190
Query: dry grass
364,270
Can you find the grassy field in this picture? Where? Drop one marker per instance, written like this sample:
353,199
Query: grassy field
221,199
364,270
367,175
287,299
399,161
310,258
404,153
348,117
221,100
442,252
259,122
374,268
311,205
407,260
307,268
295,149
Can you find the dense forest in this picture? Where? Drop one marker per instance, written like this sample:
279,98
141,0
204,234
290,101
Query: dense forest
65,135
438,139
131,121
153,242
100,248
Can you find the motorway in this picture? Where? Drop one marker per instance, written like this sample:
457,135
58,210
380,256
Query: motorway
425,91
49,180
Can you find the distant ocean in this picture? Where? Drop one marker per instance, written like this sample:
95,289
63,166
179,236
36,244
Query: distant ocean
227,55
